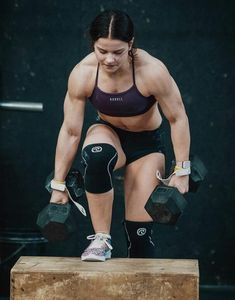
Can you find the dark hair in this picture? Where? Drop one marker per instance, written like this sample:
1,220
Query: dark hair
114,24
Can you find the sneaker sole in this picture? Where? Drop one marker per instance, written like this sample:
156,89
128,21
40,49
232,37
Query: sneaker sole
96,258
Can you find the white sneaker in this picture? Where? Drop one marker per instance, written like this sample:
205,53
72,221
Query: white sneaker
99,249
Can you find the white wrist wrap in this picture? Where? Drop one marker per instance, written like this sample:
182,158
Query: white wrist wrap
178,171
58,186
61,186
181,172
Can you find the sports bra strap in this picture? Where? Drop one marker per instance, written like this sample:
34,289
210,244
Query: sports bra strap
133,71
133,68
97,74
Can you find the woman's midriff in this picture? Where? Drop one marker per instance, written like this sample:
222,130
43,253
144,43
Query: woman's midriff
148,121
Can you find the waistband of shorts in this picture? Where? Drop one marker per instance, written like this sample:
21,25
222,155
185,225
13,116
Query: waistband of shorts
101,121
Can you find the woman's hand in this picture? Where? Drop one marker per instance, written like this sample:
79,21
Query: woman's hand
59,197
180,182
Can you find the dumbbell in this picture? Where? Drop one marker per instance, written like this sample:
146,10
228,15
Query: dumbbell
166,203
198,173
74,183
57,221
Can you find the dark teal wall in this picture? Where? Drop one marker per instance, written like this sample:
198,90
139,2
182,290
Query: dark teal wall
40,43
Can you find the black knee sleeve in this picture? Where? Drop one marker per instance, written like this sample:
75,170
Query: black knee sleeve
139,239
100,160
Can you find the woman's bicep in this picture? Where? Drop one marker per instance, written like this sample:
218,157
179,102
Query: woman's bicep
170,100
74,108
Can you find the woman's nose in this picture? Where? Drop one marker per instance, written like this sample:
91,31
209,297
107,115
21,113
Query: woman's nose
110,58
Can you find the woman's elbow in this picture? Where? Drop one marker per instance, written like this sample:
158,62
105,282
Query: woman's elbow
72,132
179,118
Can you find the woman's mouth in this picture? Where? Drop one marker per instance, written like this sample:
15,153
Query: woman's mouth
110,66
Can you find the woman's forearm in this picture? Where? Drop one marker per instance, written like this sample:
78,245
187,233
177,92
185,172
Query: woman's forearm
66,150
180,136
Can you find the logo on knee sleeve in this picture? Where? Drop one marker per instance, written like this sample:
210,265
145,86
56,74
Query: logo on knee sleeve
141,231
96,149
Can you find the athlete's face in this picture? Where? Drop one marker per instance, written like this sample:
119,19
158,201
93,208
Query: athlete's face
111,54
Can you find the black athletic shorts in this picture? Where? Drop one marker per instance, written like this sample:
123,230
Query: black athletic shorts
138,144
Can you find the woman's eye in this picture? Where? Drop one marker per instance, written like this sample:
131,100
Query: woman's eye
102,51
115,52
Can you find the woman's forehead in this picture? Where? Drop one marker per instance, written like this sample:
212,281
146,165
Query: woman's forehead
110,44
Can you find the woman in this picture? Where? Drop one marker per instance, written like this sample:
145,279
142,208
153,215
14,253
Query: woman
125,85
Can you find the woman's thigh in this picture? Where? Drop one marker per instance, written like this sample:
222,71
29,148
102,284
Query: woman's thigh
140,181
100,133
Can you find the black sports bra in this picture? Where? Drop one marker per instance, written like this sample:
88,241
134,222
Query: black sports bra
125,104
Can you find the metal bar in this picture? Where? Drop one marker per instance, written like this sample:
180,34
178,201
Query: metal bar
23,106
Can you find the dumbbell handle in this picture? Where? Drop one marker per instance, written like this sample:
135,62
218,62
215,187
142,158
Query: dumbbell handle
196,173
166,181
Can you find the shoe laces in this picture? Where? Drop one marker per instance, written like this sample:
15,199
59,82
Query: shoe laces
98,239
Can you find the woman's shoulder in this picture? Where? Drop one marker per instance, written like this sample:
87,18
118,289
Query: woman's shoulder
144,59
152,72
86,65
149,66
83,74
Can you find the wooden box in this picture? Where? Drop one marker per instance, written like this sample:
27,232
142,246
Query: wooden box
52,278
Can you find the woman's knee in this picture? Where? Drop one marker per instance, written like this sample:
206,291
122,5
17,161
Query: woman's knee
100,160
98,134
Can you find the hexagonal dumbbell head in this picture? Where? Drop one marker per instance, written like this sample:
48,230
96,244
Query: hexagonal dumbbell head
165,205
56,221
198,173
